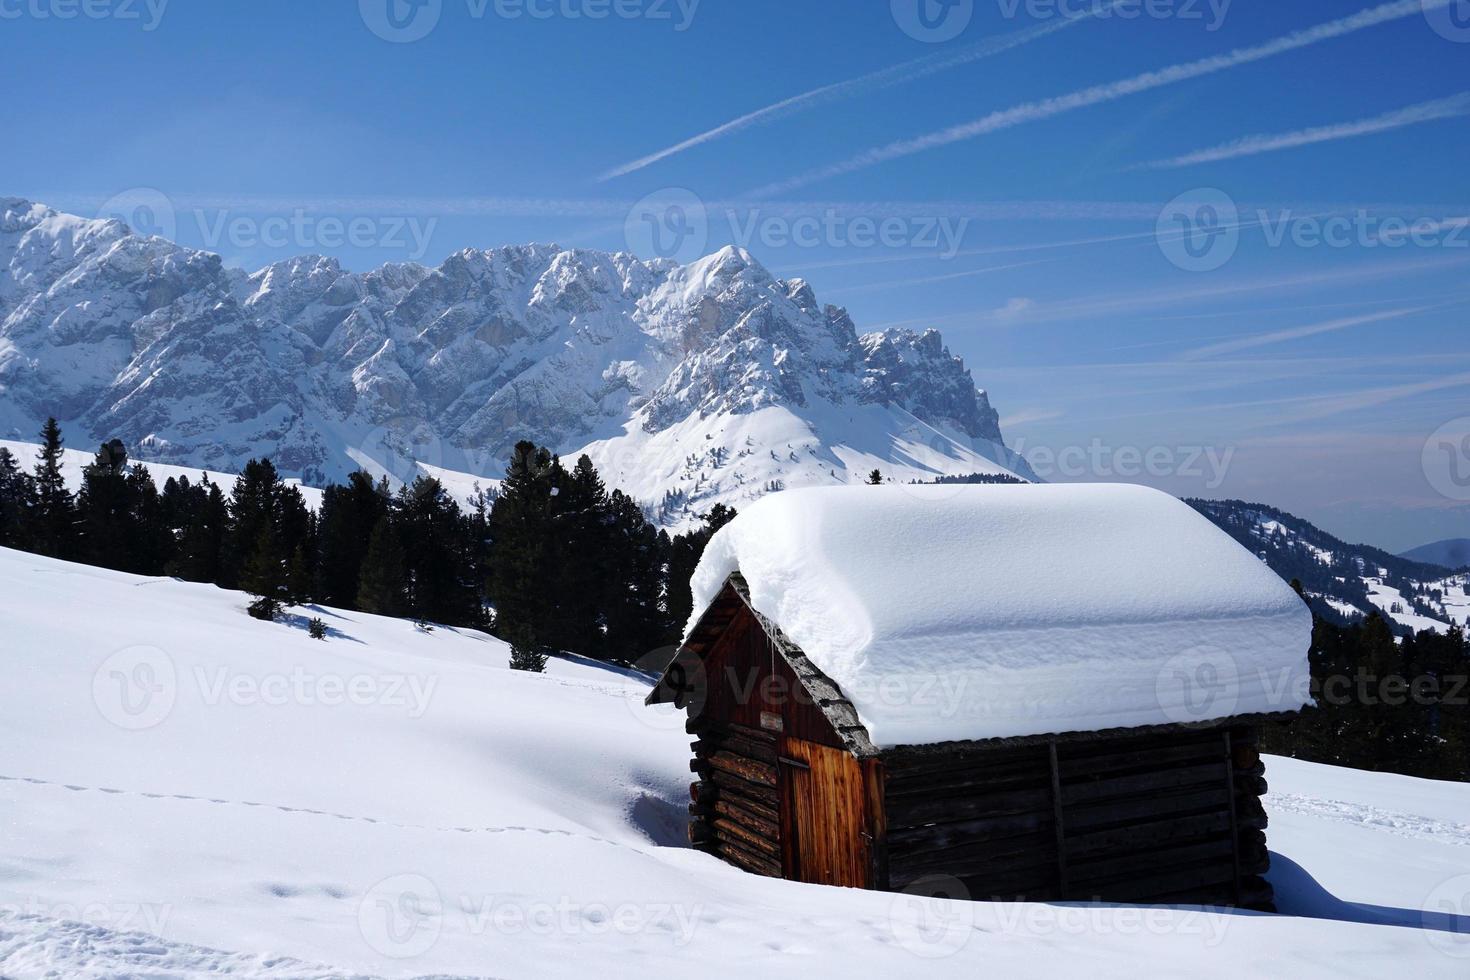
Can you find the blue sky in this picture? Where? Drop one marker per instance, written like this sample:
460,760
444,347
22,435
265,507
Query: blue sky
1180,242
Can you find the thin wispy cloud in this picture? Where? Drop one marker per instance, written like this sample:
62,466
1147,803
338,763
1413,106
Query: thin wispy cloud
925,280
1319,407
885,78
1138,237
1423,112
1296,333
1030,416
1033,312
1109,92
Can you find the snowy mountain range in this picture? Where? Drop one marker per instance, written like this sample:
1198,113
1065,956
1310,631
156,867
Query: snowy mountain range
687,384
1344,582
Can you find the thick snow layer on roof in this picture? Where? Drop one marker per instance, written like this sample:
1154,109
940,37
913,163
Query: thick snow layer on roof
968,612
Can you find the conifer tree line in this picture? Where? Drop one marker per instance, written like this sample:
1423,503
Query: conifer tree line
1383,703
553,561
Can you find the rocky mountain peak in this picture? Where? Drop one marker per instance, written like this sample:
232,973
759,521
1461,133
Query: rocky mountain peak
325,369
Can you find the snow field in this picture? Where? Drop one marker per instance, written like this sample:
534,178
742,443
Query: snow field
187,791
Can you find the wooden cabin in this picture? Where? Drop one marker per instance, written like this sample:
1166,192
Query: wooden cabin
788,781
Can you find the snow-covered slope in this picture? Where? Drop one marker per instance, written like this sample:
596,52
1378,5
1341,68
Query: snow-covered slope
694,384
74,461
186,790
1345,581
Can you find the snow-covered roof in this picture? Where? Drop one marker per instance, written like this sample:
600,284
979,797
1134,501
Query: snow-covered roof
971,612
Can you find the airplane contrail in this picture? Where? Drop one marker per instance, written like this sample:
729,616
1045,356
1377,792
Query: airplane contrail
1097,94
1455,105
884,78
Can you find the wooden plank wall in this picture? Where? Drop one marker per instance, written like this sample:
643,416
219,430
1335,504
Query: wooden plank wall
1163,818
824,806
747,682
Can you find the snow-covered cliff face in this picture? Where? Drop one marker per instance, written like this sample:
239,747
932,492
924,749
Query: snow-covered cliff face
712,381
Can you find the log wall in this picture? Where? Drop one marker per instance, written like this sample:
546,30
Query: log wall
734,809
1171,817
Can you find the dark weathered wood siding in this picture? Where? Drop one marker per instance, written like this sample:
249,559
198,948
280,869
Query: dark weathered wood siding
1172,816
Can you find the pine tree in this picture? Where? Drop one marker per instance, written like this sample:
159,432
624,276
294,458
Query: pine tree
105,510
151,540
685,550
579,574
525,654
204,518
522,535
441,584
381,587
16,501
346,519
300,579
53,528
636,555
875,478
253,503
265,575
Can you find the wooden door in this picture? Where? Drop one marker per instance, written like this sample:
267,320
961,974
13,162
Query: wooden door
822,815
